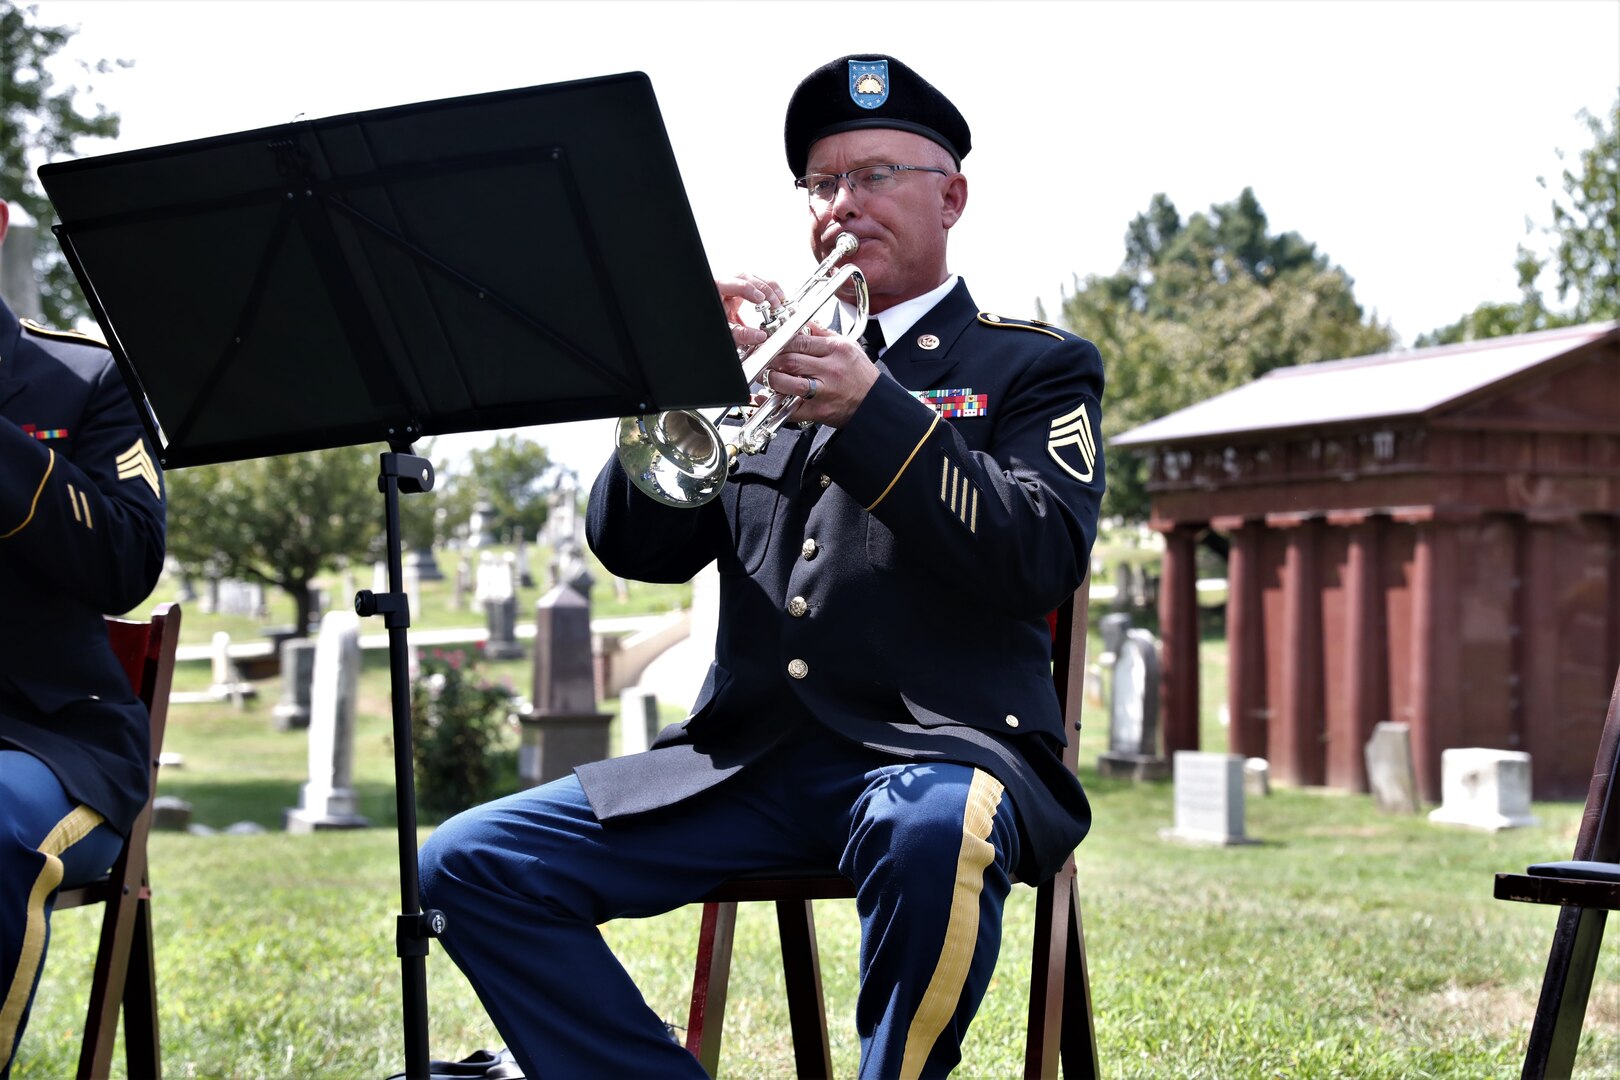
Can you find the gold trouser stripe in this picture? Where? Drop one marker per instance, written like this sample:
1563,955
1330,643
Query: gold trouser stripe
50,464
905,464
69,831
944,991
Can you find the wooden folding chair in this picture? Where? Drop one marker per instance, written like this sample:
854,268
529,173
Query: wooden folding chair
1587,887
125,974
1060,1021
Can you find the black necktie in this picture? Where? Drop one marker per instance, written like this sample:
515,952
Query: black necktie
872,340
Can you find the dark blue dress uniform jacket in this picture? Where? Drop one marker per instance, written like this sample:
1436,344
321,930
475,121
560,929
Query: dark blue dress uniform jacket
81,534
891,578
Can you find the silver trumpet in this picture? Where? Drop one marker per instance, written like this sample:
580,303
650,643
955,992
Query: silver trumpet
678,457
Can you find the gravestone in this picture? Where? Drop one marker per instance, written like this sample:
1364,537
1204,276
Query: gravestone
297,684
562,728
1257,776
1390,775
480,527
525,576
1112,627
227,681
1209,799
638,719
499,595
570,569
170,813
328,800
1484,789
1124,585
422,560
411,582
562,512
1133,712
458,595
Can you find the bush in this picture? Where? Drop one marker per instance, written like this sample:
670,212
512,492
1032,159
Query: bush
457,722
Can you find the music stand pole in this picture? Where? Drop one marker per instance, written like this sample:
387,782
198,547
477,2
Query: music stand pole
404,473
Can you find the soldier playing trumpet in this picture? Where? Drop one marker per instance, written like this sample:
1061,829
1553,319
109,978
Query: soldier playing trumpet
881,697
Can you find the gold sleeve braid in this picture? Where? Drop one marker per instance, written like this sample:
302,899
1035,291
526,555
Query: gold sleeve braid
905,464
32,506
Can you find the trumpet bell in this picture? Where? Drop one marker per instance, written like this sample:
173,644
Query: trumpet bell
676,457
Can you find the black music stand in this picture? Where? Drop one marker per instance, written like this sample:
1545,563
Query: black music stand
502,260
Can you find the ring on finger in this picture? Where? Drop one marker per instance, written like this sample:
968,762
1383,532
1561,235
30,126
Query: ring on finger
765,380
811,392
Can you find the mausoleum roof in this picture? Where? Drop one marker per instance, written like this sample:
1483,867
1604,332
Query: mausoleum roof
1413,382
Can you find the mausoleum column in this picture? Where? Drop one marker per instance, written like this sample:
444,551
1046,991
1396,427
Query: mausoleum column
1245,639
1296,730
1178,630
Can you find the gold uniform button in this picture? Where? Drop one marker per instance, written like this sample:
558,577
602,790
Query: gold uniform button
825,481
1012,721
798,668
809,549
797,607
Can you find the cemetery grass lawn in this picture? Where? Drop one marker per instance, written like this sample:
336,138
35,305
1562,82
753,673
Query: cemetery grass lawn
1347,943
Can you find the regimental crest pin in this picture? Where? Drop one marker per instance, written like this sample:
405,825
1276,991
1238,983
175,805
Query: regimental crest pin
1072,445
869,82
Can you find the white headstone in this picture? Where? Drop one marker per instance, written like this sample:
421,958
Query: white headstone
638,719
328,800
1209,798
1484,789
1390,775
224,672
1133,711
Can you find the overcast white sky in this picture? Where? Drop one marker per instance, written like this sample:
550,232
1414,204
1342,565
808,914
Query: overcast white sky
1403,138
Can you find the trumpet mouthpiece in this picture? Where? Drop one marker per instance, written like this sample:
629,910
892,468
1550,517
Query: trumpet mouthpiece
847,243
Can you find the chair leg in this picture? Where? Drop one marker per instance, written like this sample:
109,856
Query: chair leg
107,985
1080,1061
801,970
142,1044
705,1019
1556,1031
1046,982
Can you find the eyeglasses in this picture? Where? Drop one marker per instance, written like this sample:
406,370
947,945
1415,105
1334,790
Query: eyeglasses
867,180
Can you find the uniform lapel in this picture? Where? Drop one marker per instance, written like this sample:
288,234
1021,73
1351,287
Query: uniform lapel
915,367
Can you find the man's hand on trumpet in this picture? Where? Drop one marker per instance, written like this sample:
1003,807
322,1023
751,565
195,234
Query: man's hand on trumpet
747,291
828,372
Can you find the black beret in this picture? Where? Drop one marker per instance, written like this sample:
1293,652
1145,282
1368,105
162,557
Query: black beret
873,91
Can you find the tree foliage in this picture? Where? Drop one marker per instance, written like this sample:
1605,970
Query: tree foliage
40,121
280,521
1584,257
513,474
1201,306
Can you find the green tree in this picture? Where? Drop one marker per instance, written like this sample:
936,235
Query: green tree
1587,223
1584,230
512,473
1203,305
280,521
40,121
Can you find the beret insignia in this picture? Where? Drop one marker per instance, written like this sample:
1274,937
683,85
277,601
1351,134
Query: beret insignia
869,82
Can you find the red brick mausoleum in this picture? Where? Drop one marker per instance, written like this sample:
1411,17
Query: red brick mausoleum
1430,536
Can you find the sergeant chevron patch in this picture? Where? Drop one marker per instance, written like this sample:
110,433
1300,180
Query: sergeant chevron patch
137,463
959,494
1072,445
